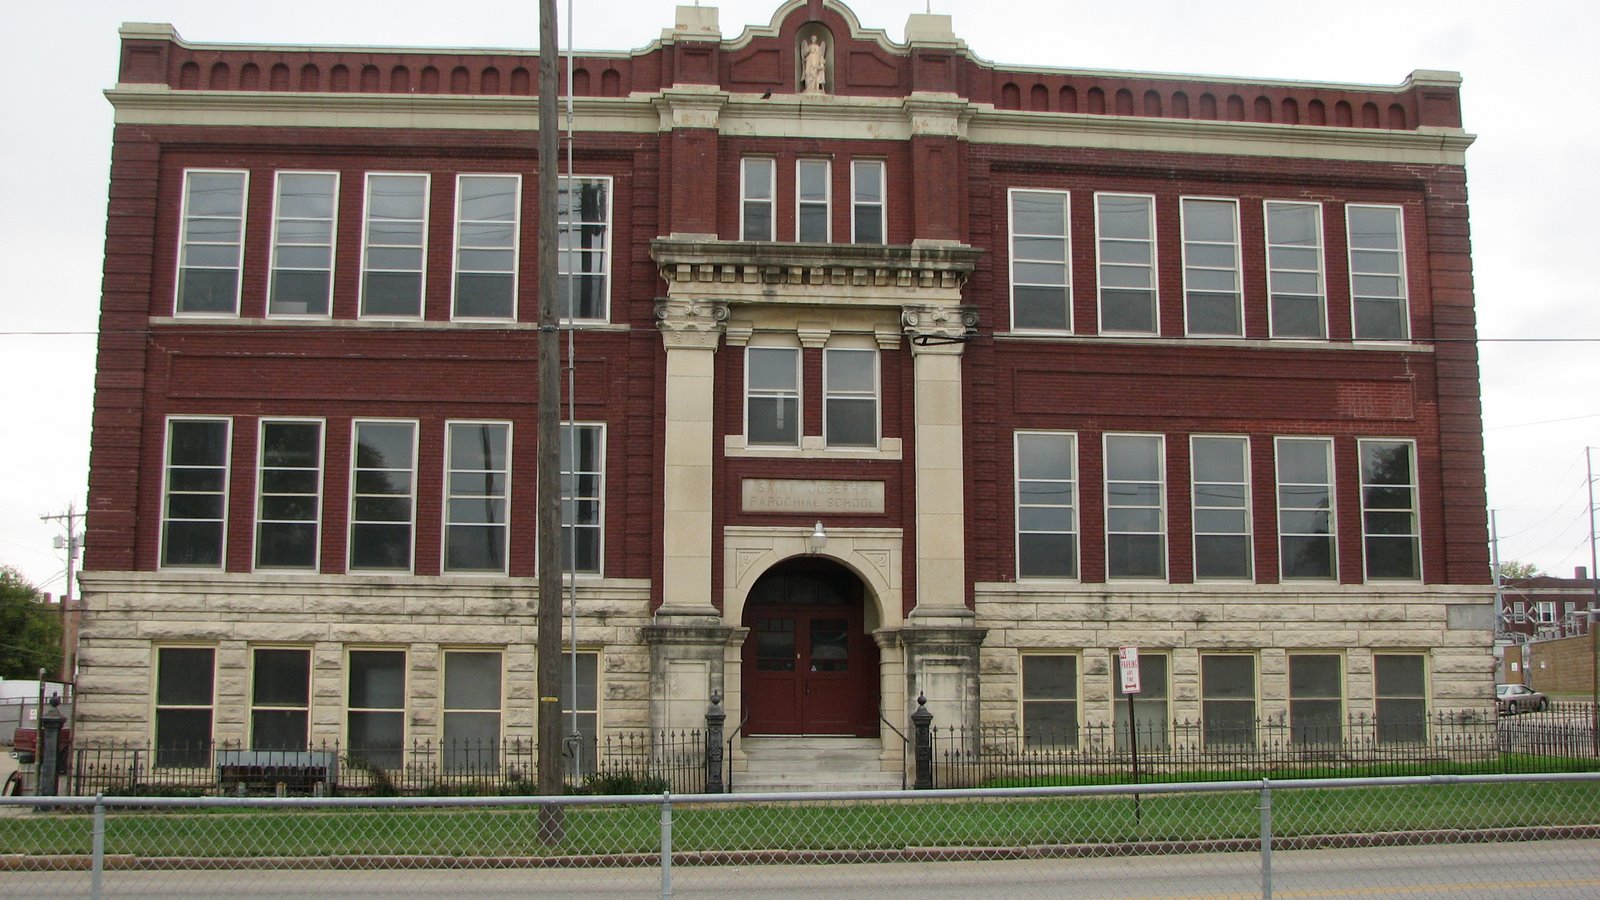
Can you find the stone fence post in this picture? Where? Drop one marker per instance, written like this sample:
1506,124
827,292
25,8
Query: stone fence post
922,720
715,716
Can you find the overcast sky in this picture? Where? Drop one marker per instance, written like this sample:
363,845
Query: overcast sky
1530,71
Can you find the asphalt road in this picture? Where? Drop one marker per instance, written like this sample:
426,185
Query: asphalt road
1549,870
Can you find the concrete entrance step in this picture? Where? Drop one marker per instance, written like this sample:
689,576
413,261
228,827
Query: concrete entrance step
813,763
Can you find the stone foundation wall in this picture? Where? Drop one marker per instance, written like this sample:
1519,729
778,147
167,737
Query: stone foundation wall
1268,622
129,615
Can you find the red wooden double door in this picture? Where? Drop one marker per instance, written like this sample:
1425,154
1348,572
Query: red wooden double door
809,665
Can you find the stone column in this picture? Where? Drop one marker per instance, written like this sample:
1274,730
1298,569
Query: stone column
937,338
691,330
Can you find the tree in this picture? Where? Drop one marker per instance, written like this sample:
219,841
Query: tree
1512,569
30,629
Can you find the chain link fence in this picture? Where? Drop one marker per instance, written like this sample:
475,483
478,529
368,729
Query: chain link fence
1446,836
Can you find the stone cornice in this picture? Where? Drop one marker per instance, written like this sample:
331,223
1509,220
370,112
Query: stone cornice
849,274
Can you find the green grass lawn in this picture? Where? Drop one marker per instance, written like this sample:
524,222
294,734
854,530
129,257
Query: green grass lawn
893,825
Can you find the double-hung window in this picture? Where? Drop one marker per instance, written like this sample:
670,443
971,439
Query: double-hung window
1228,699
583,213
477,496
813,190
383,474
1377,272
375,707
194,508
583,459
280,698
211,242
850,397
868,221
1041,261
1400,693
486,246
1047,504
581,703
395,243
289,494
1221,475
1149,705
185,697
1297,305
472,692
772,396
1211,296
304,220
1316,698
1393,543
1125,232
1305,508
1049,700
757,208
1136,540
1544,612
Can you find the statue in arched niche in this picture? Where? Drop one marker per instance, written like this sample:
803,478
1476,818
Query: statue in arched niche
814,71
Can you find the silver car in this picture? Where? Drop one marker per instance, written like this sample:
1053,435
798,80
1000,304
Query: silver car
1510,699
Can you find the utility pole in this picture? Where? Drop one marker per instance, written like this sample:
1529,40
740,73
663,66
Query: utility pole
548,681
1499,589
72,543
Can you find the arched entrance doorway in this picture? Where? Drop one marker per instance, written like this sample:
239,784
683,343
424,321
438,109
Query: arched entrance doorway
809,665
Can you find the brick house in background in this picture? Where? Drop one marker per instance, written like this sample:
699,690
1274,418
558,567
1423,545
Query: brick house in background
940,376
1545,606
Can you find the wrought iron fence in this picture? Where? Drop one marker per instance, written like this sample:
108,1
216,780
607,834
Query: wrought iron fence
1558,738
622,762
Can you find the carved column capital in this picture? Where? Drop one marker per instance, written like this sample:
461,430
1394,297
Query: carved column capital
691,324
938,328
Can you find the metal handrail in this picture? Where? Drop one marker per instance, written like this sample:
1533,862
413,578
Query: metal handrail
729,755
905,744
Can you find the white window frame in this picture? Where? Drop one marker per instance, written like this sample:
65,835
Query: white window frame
1333,505
857,204
1161,509
1073,508
167,492
448,495
1545,612
798,395
156,706
1101,264
404,709
515,250
278,244
1196,505
1190,267
1321,270
1075,701
600,499
367,246
250,694
831,393
1255,698
411,524
607,233
1403,300
1290,698
746,166
1012,234
800,201
261,491
183,244
1415,510
447,748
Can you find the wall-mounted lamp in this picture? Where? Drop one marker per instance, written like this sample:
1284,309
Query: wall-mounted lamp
818,538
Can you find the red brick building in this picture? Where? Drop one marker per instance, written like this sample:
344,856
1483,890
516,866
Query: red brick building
898,372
